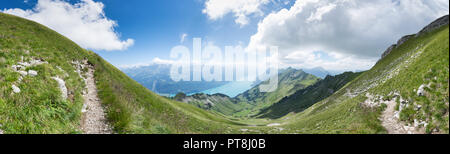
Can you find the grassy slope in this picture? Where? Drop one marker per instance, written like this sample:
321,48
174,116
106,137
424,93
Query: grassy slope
290,81
134,109
305,98
342,114
252,101
39,108
219,103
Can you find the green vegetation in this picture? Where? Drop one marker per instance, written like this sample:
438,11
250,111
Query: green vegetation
132,108
39,107
218,103
304,98
422,61
290,81
252,101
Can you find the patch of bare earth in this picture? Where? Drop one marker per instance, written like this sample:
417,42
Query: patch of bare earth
392,124
390,117
94,117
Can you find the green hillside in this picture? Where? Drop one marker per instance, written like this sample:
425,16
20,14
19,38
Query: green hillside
304,98
40,108
421,60
222,104
252,101
290,81
410,83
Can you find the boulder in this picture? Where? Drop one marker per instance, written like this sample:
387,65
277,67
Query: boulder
418,107
421,90
84,108
23,73
20,79
35,62
62,87
26,64
32,73
15,89
418,123
16,67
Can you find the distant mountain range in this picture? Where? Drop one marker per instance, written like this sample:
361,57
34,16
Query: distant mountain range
319,72
251,101
156,77
46,80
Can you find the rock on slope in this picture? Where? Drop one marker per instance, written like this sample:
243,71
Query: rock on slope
442,21
385,98
38,104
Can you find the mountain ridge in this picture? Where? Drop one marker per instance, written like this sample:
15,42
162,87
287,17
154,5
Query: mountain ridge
442,21
290,80
407,91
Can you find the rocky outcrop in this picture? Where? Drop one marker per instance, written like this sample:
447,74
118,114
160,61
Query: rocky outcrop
388,51
32,73
62,87
434,25
15,89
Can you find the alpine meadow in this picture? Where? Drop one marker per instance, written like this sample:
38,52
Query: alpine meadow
52,81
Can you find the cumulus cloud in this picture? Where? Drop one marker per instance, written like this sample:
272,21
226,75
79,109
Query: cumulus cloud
241,9
84,22
352,34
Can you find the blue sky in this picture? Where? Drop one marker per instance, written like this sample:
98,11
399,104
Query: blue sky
334,34
157,25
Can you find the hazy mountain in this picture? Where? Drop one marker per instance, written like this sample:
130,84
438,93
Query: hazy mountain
43,89
252,100
156,77
46,79
318,71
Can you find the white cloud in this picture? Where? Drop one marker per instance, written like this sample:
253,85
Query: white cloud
155,61
241,9
334,61
162,61
317,16
84,22
355,32
183,37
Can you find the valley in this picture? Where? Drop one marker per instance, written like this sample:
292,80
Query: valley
407,89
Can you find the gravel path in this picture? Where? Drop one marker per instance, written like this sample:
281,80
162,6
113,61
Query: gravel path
94,117
392,124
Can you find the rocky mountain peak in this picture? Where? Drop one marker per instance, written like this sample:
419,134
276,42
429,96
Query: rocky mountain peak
438,23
